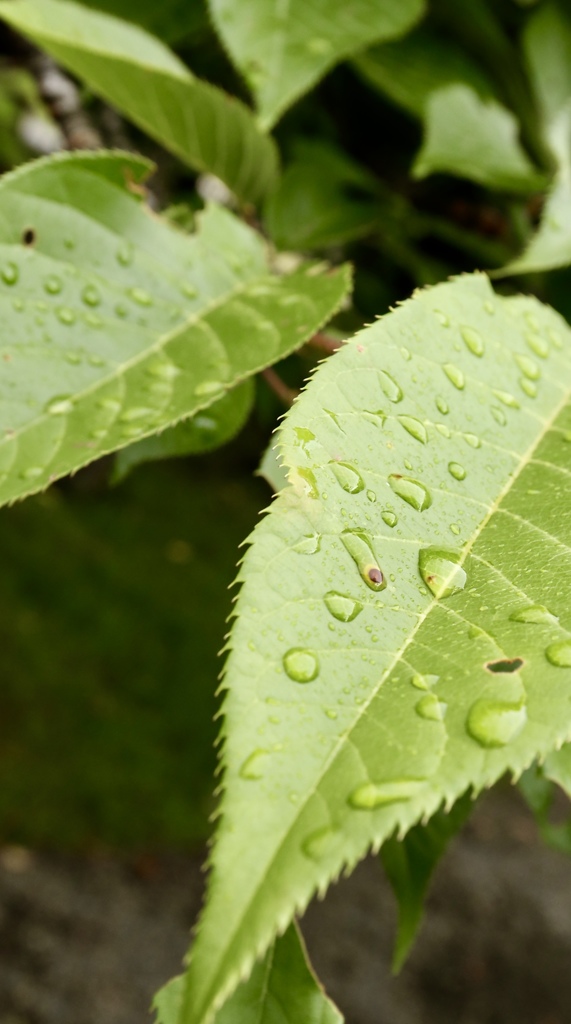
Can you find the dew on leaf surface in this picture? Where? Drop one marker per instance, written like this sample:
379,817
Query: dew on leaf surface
442,406
59,406
456,470
412,491
499,415
455,529
90,295
495,723
390,387
376,418
163,369
189,290
538,345
389,517
10,273
473,440
140,296
347,477
342,607
66,315
537,614
308,545
528,387
372,795
358,545
506,399
301,665
320,843
414,427
125,254
31,473
423,682
455,375
528,366
473,341
253,767
208,387
53,285
441,571
559,654
431,708
371,496
444,430
136,412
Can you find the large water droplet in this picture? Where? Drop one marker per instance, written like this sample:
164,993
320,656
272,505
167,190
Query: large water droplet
59,406
431,708
528,366
414,427
372,795
455,375
390,387
473,440
90,295
308,545
358,544
10,273
53,285
301,665
347,477
456,470
253,767
389,517
495,723
440,569
412,491
538,345
342,607
473,341
537,614
559,653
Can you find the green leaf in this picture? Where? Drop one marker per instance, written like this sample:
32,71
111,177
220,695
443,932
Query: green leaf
475,139
202,433
282,989
358,700
410,862
271,469
116,325
171,20
135,72
410,69
547,43
323,199
283,52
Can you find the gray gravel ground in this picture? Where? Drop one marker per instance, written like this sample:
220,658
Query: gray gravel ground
87,940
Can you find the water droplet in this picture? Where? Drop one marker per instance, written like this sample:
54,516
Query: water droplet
473,341
528,387
431,708
443,318
371,496
506,399
473,440
456,470
59,406
455,375
10,273
455,529
163,369
559,653
110,404
308,545
208,387
414,427
422,682
555,339
372,795
136,412
444,430
412,491
125,254
307,476
253,766
90,295
140,296
331,713
499,415
189,290
389,517
53,285
18,305
347,477
121,310
390,387
66,315
495,723
528,366
405,354
358,545
321,842
442,406
376,418
537,614
342,607
440,569
538,345
301,665
489,307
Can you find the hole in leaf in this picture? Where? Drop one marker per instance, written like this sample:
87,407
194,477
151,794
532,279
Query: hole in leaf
28,236
505,665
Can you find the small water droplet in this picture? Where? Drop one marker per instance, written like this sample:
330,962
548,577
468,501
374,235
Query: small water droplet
163,369
372,795
136,412
414,427
443,318
528,366
440,569
405,354
422,682
10,273
559,653
537,614
444,430
53,285
301,665
431,708
331,713
32,473
389,517
412,491
254,765
371,496
125,254
473,440
110,404
442,406
489,307
308,545
390,387
499,415
90,295
455,375
455,529
189,290
321,842
506,399
376,418
358,545
528,387
121,310
473,341
59,406
342,607
538,345
495,723
556,339
208,387
347,477
140,296
66,315
456,470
